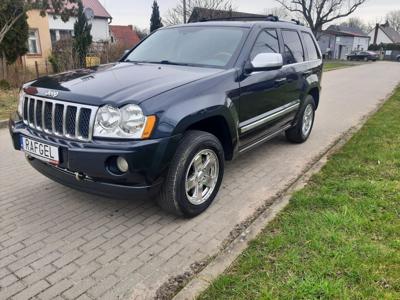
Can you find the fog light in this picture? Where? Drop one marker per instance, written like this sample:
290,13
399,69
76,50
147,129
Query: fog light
122,164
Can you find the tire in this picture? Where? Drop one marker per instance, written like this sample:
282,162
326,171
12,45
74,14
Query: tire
296,134
174,197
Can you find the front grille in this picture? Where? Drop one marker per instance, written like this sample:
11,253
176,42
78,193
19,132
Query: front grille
73,121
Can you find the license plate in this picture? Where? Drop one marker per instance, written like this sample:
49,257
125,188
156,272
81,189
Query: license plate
40,150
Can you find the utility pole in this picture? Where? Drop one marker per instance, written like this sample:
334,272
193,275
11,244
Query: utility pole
184,11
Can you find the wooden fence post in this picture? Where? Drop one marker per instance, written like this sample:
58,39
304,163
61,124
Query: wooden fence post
37,69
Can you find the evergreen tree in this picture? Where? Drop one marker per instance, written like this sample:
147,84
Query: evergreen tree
82,37
155,21
14,42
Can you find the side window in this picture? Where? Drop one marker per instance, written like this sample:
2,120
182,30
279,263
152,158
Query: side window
293,52
312,51
267,42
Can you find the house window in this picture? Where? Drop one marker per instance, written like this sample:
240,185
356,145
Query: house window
33,42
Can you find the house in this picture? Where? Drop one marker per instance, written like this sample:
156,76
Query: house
124,35
337,41
39,41
100,23
45,31
201,14
384,34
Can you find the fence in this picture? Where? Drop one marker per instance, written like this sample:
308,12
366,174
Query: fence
21,72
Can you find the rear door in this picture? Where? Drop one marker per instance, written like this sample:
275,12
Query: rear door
295,66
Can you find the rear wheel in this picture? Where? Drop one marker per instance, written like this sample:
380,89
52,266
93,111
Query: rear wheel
194,176
303,128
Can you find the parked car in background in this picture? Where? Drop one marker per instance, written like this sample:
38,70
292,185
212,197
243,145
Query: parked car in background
363,55
398,58
166,117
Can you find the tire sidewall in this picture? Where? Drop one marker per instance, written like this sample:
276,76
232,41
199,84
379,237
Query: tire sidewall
188,209
308,101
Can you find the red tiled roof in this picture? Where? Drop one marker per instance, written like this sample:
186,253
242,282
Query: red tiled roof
125,35
98,9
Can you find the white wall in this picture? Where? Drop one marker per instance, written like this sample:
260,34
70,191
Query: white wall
100,29
60,25
360,43
381,38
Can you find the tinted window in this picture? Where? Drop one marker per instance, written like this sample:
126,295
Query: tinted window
204,46
267,42
310,46
293,52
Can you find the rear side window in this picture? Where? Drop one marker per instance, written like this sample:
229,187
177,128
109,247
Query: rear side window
293,52
309,44
267,42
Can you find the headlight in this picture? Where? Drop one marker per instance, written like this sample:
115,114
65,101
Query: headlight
21,103
127,122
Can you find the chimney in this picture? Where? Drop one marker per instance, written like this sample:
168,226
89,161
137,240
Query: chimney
131,27
376,33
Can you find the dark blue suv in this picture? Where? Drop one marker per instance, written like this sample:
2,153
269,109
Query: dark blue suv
165,118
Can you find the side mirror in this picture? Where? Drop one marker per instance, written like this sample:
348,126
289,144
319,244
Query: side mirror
126,51
266,62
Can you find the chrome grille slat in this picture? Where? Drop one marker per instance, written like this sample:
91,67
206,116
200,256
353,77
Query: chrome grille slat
34,113
43,125
63,119
78,113
53,121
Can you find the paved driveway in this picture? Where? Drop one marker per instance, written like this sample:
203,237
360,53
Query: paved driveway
55,241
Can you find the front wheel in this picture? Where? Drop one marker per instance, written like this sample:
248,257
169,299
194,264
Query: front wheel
302,130
194,176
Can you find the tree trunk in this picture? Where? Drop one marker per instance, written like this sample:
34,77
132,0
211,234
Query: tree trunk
4,65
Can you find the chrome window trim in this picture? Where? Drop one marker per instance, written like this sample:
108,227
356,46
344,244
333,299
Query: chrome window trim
78,136
302,62
270,116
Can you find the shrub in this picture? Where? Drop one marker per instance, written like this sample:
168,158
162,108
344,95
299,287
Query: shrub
4,85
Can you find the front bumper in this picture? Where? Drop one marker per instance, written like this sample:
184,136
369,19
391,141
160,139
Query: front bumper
148,162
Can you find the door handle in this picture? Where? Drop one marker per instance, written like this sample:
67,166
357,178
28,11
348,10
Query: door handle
281,80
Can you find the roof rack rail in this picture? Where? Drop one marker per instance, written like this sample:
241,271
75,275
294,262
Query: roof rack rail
271,18
297,22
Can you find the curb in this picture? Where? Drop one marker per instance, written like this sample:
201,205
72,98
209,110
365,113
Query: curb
228,255
3,124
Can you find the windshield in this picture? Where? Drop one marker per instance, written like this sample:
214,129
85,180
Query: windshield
193,46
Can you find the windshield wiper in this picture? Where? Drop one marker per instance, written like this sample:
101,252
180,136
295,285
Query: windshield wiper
167,62
162,62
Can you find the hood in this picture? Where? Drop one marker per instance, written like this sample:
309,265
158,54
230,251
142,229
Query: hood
116,84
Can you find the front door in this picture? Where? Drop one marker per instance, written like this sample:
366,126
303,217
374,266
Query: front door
266,100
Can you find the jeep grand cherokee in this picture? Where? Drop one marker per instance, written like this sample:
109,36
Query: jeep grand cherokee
165,118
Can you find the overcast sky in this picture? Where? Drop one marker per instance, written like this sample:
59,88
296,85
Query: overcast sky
137,12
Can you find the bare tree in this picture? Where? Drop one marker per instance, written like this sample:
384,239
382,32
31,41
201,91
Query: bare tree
356,23
175,15
317,13
394,19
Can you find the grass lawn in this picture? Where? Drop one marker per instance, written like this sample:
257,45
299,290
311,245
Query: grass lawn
339,238
338,64
8,102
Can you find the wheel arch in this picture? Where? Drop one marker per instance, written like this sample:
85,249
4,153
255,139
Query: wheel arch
315,93
221,123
